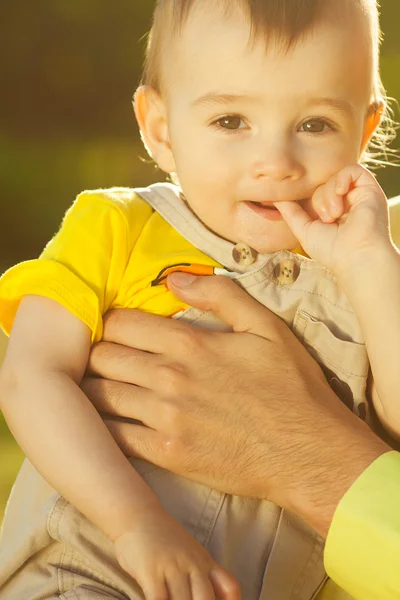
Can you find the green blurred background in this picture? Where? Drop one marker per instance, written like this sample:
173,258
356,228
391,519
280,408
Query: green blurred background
68,69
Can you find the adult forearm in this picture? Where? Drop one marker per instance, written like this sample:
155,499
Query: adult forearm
64,437
327,465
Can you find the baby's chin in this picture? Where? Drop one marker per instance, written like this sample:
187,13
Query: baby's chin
272,249
274,243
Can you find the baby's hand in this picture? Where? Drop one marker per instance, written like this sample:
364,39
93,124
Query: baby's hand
353,218
169,564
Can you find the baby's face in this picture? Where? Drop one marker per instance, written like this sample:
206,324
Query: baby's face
251,126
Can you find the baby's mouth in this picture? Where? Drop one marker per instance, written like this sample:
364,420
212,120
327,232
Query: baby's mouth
271,205
267,205
265,210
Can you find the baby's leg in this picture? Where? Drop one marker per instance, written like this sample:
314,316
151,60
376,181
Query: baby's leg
50,551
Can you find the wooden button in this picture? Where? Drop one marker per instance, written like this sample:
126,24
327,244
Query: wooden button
287,272
243,255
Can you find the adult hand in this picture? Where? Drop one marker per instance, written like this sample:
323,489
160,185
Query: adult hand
248,413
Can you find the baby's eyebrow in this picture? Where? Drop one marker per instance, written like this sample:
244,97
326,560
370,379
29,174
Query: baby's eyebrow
215,98
218,98
340,104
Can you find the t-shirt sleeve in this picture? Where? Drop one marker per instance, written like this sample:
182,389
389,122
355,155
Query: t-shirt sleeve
81,267
362,553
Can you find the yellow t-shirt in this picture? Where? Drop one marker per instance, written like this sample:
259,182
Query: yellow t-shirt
111,251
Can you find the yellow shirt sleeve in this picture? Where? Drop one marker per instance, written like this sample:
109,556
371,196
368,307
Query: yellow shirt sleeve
82,266
362,553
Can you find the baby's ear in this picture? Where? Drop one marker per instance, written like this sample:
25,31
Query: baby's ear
373,119
151,115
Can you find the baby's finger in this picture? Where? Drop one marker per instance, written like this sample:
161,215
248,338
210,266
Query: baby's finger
225,585
154,589
296,217
178,584
344,181
201,586
326,203
334,195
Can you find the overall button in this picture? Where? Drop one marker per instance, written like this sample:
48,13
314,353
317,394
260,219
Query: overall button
287,272
243,255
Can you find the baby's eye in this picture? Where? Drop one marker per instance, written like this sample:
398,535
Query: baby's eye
231,122
315,126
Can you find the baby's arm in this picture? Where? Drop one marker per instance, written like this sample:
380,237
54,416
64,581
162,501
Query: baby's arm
56,425
373,287
65,438
350,236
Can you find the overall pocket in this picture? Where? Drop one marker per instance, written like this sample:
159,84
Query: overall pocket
345,363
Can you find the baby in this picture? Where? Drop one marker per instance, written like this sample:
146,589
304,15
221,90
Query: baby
260,111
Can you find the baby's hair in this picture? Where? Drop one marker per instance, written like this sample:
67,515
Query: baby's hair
284,23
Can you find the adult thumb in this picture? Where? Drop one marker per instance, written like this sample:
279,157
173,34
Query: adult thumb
222,296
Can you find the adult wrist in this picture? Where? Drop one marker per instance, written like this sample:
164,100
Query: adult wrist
331,474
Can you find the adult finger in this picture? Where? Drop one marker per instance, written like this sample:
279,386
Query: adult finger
122,399
166,451
140,441
139,329
121,363
228,301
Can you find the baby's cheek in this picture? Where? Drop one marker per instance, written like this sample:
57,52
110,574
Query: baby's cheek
331,159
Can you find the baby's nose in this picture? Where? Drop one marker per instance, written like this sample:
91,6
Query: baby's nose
278,164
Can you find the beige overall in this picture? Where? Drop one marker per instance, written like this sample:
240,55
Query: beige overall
49,550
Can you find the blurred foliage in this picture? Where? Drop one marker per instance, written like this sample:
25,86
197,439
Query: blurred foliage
68,69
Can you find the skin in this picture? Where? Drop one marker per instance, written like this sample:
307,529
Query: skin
258,148
358,249
152,369
283,145
269,157
266,427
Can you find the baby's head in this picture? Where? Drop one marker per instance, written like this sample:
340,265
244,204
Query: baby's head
258,101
